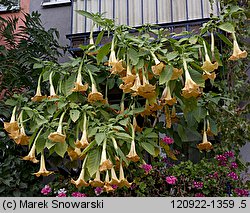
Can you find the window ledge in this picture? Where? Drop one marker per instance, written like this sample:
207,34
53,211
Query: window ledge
50,4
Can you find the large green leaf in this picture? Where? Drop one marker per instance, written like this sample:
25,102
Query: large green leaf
172,55
93,161
166,74
103,51
61,148
99,137
68,85
99,38
227,26
199,113
74,114
133,56
149,148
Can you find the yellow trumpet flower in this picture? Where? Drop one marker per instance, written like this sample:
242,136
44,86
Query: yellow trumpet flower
122,180
51,88
114,179
158,67
107,186
166,97
80,182
83,142
205,145
12,126
58,136
176,73
132,155
191,89
79,87
43,171
38,96
32,154
208,66
237,53
105,163
97,181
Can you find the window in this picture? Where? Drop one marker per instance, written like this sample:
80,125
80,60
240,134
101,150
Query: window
9,5
54,2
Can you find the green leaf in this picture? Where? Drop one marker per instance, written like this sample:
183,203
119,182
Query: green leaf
166,74
40,144
99,38
225,39
123,135
61,149
172,55
37,66
68,85
213,126
148,147
199,113
93,161
89,147
74,115
103,51
227,26
99,137
123,157
133,56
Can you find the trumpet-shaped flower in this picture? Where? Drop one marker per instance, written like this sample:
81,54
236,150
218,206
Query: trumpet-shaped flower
74,154
11,126
38,96
208,66
105,163
237,53
83,142
146,90
43,171
158,67
191,89
207,75
107,186
80,182
176,73
137,84
97,181
114,179
132,155
58,136
94,95
166,97
128,81
51,88
205,145
32,154
116,65
122,180
79,87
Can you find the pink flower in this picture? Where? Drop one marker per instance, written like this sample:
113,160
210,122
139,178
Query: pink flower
147,168
241,192
46,190
233,175
234,165
171,179
78,194
168,140
198,185
98,190
61,195
199,195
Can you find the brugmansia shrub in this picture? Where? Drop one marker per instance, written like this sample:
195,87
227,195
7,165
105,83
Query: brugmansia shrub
103,112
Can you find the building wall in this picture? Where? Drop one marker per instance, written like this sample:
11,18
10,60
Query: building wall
24,8
55,16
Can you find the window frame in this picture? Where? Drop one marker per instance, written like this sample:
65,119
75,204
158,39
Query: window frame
10,9
54,2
